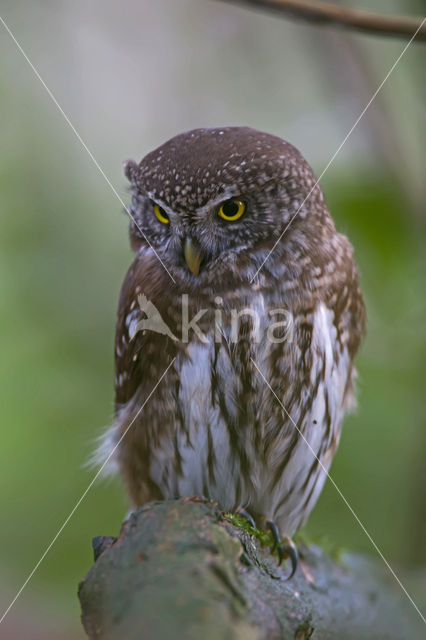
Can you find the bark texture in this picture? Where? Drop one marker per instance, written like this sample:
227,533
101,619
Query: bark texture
181,570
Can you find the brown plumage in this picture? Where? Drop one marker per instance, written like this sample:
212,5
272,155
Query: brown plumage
213,426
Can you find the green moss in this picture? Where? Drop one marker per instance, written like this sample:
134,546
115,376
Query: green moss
265,537
301,539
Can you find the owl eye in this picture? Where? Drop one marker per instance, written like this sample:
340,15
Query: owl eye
160,214
232,209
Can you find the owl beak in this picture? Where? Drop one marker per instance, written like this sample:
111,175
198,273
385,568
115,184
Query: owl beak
192,255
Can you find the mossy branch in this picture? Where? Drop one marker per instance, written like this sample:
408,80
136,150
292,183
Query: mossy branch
184,570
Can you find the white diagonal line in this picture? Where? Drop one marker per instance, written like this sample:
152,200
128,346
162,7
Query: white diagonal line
80,500
344,141
341,495
84,145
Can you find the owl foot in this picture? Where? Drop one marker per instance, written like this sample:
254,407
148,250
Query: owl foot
245,514
285,548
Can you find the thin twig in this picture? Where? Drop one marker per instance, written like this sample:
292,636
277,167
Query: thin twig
327,13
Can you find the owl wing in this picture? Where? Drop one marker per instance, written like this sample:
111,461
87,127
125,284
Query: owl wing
129,341
144,342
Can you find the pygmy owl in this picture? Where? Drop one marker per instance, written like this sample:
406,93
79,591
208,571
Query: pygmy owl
228,227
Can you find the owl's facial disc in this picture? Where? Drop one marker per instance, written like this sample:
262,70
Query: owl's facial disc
211,198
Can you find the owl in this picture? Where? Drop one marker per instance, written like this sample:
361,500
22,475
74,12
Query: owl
238,324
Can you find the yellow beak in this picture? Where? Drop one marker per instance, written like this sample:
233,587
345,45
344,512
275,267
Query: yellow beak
192,255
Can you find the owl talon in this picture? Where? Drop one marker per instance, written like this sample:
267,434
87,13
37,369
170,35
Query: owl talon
285,548
245,514
275,534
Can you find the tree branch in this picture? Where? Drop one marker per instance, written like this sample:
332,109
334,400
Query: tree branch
179,569
327,13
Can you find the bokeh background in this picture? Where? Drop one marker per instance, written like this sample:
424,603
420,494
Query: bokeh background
130,75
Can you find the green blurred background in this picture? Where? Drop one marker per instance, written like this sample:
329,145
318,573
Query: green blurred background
129,75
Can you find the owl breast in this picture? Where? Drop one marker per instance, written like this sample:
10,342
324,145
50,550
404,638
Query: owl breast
244,443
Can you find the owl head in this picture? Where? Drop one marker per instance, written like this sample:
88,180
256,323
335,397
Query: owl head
211,198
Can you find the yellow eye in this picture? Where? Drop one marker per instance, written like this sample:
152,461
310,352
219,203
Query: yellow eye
160,214
232,210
